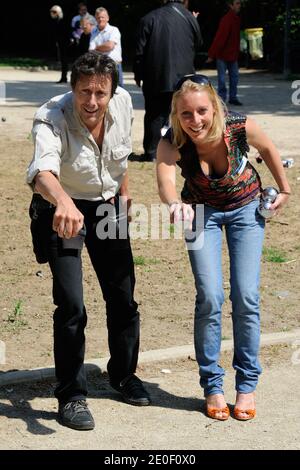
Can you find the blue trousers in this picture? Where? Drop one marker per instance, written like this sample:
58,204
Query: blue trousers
233,72
244,229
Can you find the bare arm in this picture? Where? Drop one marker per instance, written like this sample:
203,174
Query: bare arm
124,190
167,155
67,220
269,153
126,200
106,46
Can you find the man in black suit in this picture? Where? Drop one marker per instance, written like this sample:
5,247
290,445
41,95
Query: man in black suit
167,40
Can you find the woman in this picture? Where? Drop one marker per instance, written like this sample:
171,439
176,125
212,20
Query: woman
210,146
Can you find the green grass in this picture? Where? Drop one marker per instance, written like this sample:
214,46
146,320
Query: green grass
15,320
172,229
139,261
274,255
153,261
142,261
21,62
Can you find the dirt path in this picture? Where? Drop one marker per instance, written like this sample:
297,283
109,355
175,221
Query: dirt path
164,287
175,421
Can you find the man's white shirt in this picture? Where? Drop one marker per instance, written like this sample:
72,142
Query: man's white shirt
109,33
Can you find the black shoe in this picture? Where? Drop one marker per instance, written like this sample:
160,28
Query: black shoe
236,102
133,391
76,415
62,80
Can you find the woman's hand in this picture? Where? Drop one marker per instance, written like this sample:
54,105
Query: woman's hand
181,211
280,201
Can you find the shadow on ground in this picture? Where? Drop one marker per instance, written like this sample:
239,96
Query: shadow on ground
260,93
21,395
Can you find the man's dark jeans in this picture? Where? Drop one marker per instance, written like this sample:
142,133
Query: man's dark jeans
113,263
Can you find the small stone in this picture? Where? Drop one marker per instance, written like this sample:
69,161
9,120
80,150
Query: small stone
191,358
9,390
3,119
283,294
39,274
166,371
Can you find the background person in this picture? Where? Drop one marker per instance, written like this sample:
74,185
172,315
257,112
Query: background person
167,39
225,50
88,27
62,39
76,26
210,146
107,40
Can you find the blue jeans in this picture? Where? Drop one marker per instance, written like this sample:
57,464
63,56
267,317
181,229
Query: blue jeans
233,72
244,232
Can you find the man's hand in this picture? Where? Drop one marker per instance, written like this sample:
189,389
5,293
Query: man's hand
209,60
67,220
125,207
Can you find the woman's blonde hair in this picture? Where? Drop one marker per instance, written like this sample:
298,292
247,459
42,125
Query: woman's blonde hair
218,126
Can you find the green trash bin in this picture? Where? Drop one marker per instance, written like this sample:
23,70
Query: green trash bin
254,36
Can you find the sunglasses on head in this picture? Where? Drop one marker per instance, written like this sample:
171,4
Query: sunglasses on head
199,79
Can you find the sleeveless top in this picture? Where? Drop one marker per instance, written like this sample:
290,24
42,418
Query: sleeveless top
241,183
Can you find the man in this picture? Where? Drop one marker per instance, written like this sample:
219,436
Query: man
107,39
82,141
87,26
225,50
62,38
167,39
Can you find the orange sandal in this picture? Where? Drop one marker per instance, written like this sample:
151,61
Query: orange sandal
237,414
212,412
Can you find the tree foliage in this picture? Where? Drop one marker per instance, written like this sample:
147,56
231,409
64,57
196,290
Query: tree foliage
33,25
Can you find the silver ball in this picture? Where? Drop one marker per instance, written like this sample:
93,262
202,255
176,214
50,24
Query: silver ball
270,193
267,205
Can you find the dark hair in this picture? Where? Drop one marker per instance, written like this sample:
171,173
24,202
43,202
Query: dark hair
95,63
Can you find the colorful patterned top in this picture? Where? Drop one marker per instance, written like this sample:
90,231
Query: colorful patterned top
241,183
